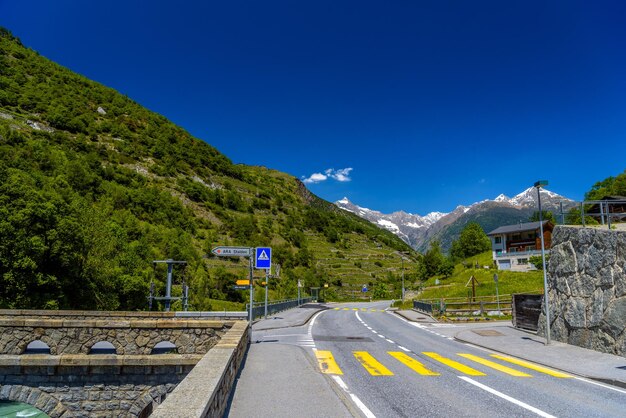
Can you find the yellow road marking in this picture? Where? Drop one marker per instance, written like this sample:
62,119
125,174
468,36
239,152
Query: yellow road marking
336,309
364,309
455,365
327,362
346,309
371,364
494,365
355,309
531,366
412,364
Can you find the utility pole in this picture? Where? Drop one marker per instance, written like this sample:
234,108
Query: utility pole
168,286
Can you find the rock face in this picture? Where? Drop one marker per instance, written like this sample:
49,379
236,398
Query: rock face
587,289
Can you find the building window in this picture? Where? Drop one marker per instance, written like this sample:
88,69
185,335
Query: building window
497,240
522,261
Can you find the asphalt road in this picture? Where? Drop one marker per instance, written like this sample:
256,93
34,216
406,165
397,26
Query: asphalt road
392,368
358,359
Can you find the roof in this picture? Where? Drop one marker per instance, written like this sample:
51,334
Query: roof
521,227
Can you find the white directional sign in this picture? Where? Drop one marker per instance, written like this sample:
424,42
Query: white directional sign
232,251
263,258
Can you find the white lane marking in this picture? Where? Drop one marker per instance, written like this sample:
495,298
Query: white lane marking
600,384
507,397
354,398
404,349
390,341
381,336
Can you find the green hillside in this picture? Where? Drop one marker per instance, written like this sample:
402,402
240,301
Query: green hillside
94,187
509,282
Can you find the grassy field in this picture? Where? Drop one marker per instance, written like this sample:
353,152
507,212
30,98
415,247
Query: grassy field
456,286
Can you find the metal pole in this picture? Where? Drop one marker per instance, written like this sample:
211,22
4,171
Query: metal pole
608,214
543,261
251,289
582,213
562,214
402,278
498,299
267,282
168,287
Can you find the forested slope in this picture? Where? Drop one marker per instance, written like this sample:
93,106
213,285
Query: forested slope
94,187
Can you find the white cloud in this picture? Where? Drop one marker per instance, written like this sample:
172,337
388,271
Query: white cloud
341,175
315,178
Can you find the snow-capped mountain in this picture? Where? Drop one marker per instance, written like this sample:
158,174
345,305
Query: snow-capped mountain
418,230
401,223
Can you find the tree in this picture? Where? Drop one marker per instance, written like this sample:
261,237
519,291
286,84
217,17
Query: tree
545,214
432,260
472,241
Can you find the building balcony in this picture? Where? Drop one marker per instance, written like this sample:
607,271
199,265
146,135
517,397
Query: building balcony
520,254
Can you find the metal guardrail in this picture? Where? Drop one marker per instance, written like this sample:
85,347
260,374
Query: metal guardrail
423,306
258,309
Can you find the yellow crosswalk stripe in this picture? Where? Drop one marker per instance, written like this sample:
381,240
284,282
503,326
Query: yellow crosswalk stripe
455,365
532,366
412,364
494,365
327,362
373,366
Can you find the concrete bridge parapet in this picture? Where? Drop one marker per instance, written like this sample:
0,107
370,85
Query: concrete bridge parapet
76,332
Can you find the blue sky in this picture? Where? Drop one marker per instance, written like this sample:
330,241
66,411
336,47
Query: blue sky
398,105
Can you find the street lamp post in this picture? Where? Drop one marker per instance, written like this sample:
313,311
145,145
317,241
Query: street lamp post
539,184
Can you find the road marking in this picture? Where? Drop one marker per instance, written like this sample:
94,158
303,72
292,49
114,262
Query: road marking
412,364
532,366
455,365
494,365
327,362
390,341
381,335
354,398
346,309
507,397
404,349
373,366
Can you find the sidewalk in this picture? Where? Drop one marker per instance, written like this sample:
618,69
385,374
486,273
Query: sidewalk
273,373
503,338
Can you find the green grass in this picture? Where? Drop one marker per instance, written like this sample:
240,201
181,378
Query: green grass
223,305
509,282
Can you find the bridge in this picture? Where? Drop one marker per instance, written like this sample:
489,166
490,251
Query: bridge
97,364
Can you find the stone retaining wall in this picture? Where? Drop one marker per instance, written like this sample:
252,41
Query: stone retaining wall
206,390
68,386
587,289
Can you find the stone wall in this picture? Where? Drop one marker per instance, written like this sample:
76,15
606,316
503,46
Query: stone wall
69,382
587,289
127,335
129,389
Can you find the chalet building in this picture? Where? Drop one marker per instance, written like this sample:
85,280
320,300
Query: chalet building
513,245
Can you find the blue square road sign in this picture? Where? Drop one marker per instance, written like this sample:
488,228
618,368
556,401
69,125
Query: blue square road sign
263,258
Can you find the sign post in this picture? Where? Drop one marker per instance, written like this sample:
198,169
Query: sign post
495,279
223,251
263,260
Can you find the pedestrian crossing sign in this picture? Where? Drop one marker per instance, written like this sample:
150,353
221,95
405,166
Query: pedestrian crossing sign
263,258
